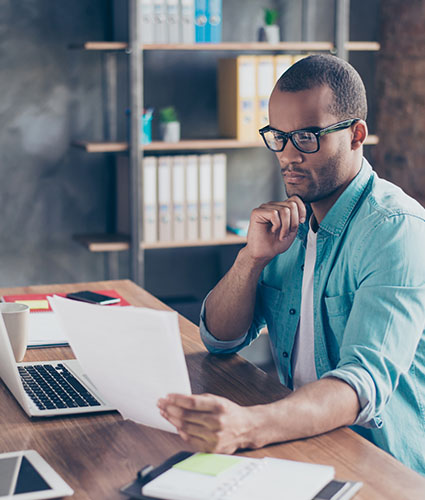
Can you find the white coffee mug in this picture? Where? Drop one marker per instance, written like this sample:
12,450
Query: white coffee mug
16,320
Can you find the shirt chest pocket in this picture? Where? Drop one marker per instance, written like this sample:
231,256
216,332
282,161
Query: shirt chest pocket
338,309
271,301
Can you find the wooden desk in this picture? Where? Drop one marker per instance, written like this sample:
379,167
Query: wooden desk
98,454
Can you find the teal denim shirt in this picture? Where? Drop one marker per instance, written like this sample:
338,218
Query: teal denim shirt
369,310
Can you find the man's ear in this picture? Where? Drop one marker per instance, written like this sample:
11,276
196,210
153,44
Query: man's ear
359,134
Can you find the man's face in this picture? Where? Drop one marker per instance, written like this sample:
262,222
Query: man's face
315,176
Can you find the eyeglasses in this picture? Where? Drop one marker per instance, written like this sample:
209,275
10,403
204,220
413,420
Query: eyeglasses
305,140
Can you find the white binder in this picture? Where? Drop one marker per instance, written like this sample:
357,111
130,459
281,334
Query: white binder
265,84
205,197
219,162
173,21
179,208
192,197
187,21
160,21
282,63
150,201
164,197
146,14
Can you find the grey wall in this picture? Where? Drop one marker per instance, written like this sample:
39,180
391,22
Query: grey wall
49,96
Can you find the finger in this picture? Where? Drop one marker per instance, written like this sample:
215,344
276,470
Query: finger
285,218
299,206
195,402
302,210
295,216
183,417
267,215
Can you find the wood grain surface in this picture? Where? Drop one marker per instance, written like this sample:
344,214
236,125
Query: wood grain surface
97,454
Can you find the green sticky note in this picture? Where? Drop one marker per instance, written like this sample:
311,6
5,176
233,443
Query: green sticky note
207,463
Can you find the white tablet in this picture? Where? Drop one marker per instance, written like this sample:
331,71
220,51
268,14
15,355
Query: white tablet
25,475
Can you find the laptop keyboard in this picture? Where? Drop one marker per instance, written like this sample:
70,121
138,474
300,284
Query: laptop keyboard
54,386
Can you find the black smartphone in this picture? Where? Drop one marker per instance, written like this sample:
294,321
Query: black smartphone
93,298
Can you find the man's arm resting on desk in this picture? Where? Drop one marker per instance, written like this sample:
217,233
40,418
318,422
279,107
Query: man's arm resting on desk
215,424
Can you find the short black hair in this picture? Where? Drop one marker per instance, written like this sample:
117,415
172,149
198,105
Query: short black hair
323,69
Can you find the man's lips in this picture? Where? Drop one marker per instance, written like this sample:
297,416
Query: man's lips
293,177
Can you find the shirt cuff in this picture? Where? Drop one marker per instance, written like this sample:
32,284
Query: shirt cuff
362,382
216,346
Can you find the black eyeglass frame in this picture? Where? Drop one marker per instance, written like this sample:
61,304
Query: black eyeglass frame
314,130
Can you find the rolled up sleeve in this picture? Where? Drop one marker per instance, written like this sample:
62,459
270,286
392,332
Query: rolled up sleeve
387,317
216,346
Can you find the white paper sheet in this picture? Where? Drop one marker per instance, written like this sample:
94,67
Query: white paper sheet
45,328
133,355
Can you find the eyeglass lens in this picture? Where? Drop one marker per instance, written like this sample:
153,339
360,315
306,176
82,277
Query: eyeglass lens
304,140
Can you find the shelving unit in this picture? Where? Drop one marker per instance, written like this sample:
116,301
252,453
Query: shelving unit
112,244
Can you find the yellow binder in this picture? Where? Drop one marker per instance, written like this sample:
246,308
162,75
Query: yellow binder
236,98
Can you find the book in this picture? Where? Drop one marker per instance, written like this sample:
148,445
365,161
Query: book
173,21
219,195
205,197
213,26
160,21
236,98
192,197
282,63
164,198
150,200
187,21
265,83
200,20
146,16
44,328
179,199
203,476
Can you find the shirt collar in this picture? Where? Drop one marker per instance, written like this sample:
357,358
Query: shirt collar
337,217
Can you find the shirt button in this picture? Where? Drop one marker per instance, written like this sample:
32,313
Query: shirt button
284,354
292,311
302,267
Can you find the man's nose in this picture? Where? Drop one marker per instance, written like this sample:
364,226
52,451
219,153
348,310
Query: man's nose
290,154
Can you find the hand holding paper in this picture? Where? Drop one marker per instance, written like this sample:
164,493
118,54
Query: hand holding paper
133,356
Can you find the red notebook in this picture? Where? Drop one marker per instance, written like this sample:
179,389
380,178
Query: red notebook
39,303
45,330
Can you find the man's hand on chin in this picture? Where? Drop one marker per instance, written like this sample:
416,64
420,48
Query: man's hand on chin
209,423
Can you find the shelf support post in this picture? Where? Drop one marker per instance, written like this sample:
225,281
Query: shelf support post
342,27
135,55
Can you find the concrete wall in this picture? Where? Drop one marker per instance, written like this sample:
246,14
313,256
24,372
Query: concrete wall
49,96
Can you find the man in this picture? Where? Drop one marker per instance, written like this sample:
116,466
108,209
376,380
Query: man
336,272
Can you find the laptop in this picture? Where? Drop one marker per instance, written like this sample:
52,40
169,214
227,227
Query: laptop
48,388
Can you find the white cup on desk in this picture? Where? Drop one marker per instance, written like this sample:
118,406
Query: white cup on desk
16,320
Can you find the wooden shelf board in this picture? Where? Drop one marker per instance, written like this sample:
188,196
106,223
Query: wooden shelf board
230,239
249,46
120,242
185,145
365,46
101,147
231,46
201,144
103,242
224,46
99,46
372,140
